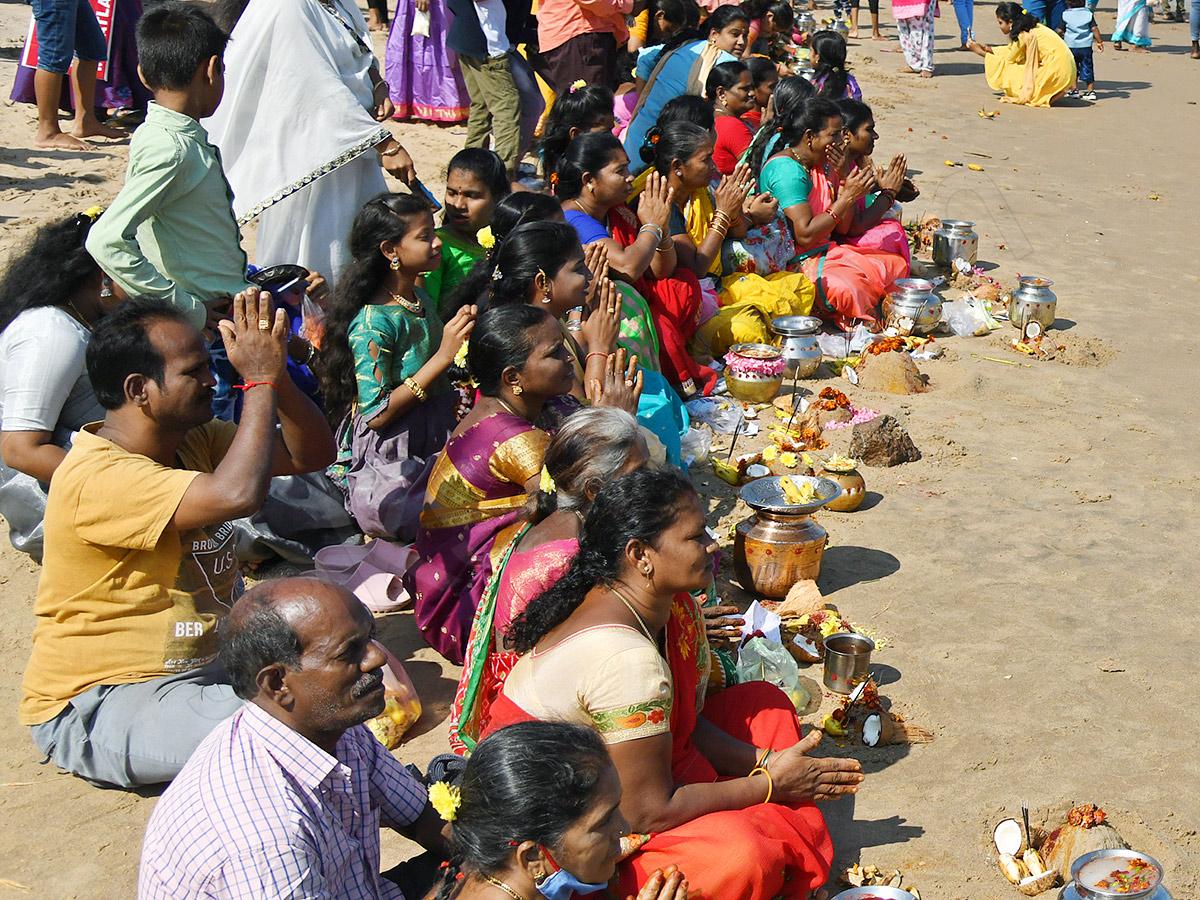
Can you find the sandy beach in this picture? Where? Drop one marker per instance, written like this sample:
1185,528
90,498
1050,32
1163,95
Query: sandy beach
1032,573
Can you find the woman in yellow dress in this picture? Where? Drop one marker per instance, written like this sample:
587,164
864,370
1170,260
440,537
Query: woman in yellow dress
1036,68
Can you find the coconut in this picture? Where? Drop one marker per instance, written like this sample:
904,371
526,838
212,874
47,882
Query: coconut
1069,842
1012,868
883,728
1037,884
1009,837
805,650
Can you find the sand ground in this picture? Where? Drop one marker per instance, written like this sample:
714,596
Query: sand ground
1035,572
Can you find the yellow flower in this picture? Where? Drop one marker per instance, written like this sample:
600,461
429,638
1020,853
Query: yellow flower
93,212
546,484
460,358
445,799
484,238
576,85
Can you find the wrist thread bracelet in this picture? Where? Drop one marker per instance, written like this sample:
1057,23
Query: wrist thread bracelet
253,384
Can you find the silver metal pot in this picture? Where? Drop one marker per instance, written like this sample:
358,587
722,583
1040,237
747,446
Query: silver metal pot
806,22
839,25
801,352
912,307
955,239
1032,301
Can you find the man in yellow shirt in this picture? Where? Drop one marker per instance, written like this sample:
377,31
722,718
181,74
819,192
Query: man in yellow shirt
140,564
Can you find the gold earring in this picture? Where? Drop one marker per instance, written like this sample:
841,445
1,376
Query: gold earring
517,390
394,265
591,189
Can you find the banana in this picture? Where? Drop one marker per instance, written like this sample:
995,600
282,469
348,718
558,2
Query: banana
796,493
1033,862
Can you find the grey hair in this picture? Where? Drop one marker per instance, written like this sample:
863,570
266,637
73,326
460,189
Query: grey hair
590,449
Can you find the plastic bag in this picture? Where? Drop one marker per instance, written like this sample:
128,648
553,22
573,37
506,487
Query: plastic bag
722,416
763,660
421,23
402,706
695,445
312,322
968,317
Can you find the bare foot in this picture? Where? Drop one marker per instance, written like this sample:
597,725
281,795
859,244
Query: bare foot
61,141
876,36
92,127
926,73
853,33
1195,51
907,70
1140,50
373,21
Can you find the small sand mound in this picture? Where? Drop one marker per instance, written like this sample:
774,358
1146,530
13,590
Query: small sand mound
891,373
1086,352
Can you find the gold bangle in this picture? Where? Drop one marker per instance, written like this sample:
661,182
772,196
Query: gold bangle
417,391
719,230
770,783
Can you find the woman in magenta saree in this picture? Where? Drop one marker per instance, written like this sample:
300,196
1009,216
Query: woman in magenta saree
491,465
424,80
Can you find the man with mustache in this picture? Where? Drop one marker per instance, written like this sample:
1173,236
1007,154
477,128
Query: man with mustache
140,564
286,798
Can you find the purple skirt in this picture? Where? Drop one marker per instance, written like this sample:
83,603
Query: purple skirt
425,80
389,469
122,89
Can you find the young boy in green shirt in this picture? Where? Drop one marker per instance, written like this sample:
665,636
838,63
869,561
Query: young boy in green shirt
171,233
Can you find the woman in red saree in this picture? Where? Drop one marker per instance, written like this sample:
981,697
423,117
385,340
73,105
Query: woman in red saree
618,645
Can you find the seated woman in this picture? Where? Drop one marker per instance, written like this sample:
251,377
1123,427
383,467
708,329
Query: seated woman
383,367
538,816
682,67
593,185
593,447
832,79
764,77
476,180
1036,68
616,644
770,31
850,281
577,111
490,466
47,312
741,245
730,89
876,216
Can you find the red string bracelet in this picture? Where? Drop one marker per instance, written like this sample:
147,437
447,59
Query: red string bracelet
252,384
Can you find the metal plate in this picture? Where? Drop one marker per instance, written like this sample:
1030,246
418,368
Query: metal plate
767,495
1070,893
795,326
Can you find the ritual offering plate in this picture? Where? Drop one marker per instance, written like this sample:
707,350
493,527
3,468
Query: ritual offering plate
754,372
1110,874
781,544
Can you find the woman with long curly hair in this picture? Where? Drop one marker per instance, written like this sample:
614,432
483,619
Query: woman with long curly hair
46,315
383,369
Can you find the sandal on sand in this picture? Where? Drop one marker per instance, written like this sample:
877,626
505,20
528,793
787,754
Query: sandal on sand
371,572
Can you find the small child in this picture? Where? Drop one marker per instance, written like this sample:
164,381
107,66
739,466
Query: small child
476,181
1080,32
832,79
384,364
171,232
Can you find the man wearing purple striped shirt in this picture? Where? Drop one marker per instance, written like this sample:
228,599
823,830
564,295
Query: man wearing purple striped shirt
285,799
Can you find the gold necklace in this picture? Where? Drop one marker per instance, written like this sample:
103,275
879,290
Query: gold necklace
413,306
82,320
508,406
629,606
504,887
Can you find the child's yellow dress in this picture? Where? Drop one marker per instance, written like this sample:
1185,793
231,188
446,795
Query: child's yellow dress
1032,70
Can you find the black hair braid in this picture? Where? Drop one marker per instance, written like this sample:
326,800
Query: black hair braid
638,506
790,95
451,873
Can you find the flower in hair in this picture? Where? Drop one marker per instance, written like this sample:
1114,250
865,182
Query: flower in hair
546,483
655,138
554,179
460,358
445,799
93,212
484,238
576,85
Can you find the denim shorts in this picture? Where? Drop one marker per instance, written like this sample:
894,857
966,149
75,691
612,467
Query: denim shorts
67,28
1083,64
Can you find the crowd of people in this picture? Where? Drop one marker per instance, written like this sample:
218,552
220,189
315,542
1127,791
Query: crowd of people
501,387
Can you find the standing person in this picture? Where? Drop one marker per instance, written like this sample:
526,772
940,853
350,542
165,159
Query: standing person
423,75
384,366
120,88
377,15
964,12
873,6
305,187
914,24
579,40
1080,34
171,233
505,101
287,797
66,29
141,565
1133,25
1194,24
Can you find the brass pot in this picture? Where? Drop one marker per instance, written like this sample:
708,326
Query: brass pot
854,490
772,551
